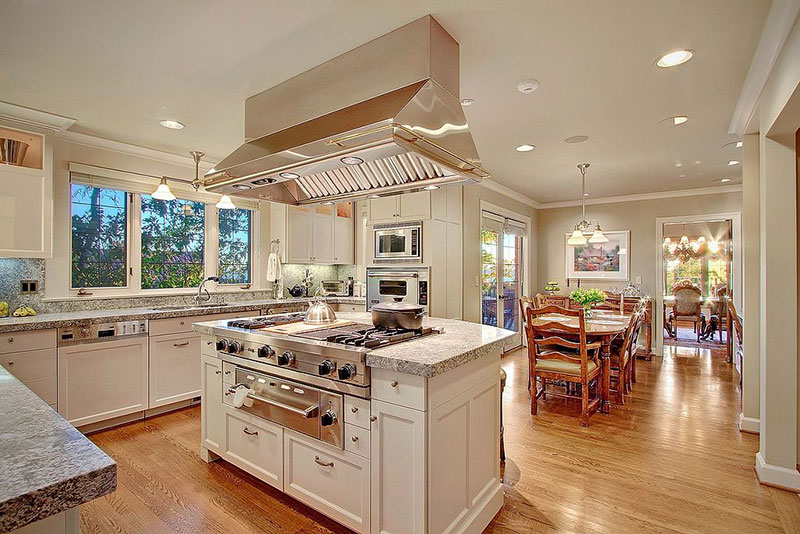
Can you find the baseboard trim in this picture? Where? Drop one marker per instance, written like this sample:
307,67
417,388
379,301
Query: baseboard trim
776,476
751,425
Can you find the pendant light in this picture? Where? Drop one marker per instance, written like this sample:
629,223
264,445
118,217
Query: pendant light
582,226
163,191
225,203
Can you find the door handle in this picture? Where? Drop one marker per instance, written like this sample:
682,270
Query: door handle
250,432
180,344
320,462
307,413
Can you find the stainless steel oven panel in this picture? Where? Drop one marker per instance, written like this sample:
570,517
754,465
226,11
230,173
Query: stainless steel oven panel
387,284
398,242
334,433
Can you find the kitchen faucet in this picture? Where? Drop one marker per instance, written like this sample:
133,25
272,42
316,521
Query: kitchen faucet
202,287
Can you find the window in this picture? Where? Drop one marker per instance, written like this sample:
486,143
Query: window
99,237
173,243
234,246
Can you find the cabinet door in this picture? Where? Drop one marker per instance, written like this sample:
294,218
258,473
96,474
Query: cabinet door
343,241
99,381
415,205
322,235
454,273
384,209
255,445
298,246
25,213
398,452
174,368
212,415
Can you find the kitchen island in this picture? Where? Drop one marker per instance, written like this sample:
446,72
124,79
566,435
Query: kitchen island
419,424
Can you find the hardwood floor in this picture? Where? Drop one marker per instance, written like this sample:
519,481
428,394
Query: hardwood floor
670,460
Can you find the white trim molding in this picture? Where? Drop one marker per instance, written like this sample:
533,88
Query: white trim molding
780,21
34,117
718,190
777,476
507,191
751,425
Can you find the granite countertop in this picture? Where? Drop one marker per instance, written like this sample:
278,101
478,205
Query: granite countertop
56,320
429,356
47,466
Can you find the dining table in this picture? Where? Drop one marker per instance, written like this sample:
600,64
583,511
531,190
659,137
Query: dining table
604,326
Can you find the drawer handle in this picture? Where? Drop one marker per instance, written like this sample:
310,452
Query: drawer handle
323,464
250,432
393,383
354,439
180,344
354,409
227,372
373,418
218,372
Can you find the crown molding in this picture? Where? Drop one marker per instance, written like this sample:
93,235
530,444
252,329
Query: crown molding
132,150
780,21
503,190
33,117
647,196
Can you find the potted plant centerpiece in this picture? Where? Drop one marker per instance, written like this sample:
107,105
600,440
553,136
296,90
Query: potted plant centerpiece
588,298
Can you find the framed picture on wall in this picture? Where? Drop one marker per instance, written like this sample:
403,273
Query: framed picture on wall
600,261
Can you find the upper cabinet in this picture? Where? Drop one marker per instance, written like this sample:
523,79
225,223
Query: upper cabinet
404,207
313,234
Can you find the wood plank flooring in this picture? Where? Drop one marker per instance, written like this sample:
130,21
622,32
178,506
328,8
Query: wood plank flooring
670,460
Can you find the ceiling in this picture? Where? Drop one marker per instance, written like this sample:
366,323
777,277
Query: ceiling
120,67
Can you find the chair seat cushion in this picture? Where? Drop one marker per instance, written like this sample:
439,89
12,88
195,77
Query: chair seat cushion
560,366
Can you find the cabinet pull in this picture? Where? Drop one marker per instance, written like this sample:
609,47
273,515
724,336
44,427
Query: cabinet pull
354,409
208,343
218,372
180,344
354,439
11,340
227,372
183,323
250,432
323,464
393,383
373,418
11,362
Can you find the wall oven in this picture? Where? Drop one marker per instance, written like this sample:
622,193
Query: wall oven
398,242
398,283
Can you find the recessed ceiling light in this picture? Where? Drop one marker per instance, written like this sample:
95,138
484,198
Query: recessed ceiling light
673,59
586,194
352,160
328,203
682,176
242,187
431,187
732,163
738,144
676,120
528,86
733,144
374,196
697,162
172,125
289,175
525,148
576,139
724,180
679,164
467,102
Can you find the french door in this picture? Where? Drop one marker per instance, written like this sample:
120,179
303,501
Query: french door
501,272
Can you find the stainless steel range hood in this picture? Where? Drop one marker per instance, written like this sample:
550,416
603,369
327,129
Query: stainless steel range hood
383,118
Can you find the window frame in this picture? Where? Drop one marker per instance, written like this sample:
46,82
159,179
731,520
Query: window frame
252,238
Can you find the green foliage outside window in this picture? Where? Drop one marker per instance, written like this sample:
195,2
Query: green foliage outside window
99,237
234,246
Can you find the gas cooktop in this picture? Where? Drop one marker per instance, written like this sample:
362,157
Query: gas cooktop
256,323
364,335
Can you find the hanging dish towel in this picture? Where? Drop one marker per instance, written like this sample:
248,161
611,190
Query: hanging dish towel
273,268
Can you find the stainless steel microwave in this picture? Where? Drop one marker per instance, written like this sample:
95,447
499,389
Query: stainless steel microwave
398,242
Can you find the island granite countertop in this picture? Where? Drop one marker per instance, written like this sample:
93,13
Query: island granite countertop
57,320
47,465
429,356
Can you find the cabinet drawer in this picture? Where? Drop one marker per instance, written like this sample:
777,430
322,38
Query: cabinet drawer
46,388
352,307
208,346
256,446
399,388
356,411
175,325
31,364
332,481
34,339
228,373
356,440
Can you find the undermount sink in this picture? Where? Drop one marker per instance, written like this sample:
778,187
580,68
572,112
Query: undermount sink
189,307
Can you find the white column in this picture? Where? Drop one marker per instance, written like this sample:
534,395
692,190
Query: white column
749,418
776,459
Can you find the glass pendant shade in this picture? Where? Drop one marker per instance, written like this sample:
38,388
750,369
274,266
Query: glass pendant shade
163,192
684,240
225,203
577,238
598,236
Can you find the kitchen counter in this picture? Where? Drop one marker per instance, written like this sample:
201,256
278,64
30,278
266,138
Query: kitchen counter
429,356
47,466
56,320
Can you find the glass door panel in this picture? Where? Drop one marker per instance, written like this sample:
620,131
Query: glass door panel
501,279
490,260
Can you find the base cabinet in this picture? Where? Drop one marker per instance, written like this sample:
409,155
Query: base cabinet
174,360
212,415
255,445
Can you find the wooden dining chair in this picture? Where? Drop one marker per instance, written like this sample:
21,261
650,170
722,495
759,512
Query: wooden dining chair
622,360
559,352
539,300
738,332
687,306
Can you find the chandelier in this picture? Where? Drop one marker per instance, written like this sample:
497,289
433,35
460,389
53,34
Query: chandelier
583,226
686,249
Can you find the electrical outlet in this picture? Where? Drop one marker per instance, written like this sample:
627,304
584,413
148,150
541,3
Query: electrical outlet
28,287
639,280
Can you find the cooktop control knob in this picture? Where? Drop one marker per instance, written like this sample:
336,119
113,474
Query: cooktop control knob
326,367
222,344
328,418
266,352
347,371
234,347
286,358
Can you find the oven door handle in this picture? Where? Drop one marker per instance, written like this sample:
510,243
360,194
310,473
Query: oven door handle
307,413
385,275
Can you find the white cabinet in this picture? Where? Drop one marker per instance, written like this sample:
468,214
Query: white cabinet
98,381
255,445
333,481
398,452
322,235
315,234
298,240
212,415
25,213
174,361
407,206
31,357
343,246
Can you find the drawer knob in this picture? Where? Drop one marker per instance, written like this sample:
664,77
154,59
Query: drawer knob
354,439
182,323
323,464
11,362
208,342
393,383
250,432
227,372
11,340
354,409
373,418
218,372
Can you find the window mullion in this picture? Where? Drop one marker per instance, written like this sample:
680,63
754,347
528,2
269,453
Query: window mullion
135,245
212,241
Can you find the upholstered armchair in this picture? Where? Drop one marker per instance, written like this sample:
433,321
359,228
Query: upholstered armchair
687,306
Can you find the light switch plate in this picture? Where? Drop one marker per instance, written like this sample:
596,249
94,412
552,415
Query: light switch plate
638,279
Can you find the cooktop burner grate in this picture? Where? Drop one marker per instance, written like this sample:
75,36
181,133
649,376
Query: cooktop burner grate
255,323
364,335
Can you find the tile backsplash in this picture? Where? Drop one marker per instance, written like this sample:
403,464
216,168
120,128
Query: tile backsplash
293,274
12,270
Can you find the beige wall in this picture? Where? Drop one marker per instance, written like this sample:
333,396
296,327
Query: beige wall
638,216
473,194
